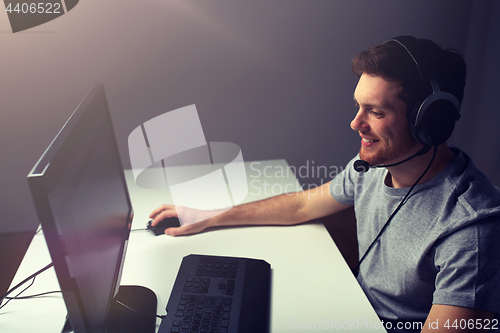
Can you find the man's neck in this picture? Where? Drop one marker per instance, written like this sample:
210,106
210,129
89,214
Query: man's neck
406,174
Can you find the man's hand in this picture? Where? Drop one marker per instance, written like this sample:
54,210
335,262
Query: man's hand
188,215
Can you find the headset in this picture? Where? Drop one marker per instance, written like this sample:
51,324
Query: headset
433,118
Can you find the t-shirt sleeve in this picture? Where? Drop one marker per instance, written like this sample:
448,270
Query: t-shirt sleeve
342,187
467,263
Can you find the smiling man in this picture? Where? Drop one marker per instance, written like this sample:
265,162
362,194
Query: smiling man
428,220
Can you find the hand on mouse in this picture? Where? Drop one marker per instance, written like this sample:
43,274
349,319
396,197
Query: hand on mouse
187,214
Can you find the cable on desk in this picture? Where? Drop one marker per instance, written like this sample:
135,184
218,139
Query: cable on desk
22,291
35,295
141,229
129,309
32,276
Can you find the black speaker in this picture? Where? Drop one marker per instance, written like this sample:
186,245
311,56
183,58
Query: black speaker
433,118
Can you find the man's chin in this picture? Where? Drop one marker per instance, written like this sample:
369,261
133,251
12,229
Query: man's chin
370,158
373,159
383,157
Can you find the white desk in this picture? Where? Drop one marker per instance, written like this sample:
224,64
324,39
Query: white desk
311,283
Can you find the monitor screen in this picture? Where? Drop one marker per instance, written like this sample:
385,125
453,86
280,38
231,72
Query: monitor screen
80,194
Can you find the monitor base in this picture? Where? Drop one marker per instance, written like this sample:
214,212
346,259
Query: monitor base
123,320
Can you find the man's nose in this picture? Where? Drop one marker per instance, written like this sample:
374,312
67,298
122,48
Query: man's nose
359,122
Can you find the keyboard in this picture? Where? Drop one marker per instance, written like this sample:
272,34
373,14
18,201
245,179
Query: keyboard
214,294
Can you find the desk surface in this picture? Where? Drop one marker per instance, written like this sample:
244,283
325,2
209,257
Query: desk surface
312,286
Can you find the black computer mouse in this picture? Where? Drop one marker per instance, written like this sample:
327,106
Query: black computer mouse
168,222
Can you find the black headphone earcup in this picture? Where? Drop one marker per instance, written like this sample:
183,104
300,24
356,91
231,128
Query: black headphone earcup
436,122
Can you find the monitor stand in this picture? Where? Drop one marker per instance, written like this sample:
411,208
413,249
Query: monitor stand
122,320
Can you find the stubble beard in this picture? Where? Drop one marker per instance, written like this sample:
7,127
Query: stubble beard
389,155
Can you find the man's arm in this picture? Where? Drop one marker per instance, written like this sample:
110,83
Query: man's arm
447,318
285,209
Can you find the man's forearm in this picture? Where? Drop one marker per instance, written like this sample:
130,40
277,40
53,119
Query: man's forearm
283,209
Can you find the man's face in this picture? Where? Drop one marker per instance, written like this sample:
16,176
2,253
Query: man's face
381,122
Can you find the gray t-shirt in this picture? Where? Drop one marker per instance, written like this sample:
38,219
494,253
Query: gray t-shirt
442,247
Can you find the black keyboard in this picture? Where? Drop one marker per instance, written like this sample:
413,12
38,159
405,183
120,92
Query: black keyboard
215,294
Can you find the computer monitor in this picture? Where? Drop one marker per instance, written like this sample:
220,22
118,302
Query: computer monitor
82,202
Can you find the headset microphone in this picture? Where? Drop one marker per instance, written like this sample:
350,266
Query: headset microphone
363,166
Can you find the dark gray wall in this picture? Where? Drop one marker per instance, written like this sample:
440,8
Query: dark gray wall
272,76
478,131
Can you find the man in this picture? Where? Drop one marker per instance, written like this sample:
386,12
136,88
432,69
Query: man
436,258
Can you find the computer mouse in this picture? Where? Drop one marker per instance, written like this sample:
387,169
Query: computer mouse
168,222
